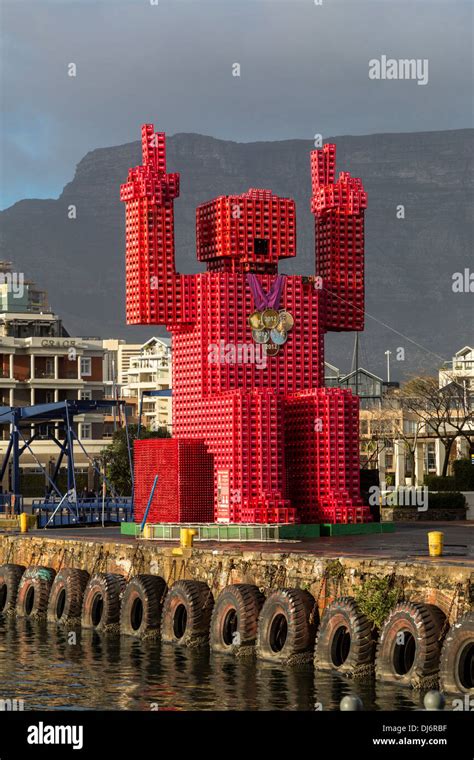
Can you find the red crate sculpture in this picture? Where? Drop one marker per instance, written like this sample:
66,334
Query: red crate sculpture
248,348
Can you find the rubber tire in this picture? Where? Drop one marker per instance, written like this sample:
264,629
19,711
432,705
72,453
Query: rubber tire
296,606
10,577
247,601
459,636
198,603
361,654
425,623
40,579
109,587
149,589
72,582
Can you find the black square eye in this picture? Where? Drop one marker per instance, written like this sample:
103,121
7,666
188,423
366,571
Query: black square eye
260,246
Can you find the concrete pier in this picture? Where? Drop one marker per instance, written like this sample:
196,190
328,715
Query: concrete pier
327,567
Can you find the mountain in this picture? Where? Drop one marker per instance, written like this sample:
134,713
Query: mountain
409,262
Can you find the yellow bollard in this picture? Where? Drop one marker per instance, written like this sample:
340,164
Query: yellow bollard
186,536
24,522
435,543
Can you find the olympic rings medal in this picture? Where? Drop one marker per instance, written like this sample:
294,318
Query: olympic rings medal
255,320
270,318
271,349
279,337
285,321
261,336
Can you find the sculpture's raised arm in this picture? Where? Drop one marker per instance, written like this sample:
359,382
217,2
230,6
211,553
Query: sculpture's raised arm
155,293
339,208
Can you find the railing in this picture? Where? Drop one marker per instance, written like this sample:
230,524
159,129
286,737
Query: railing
52,501
87,512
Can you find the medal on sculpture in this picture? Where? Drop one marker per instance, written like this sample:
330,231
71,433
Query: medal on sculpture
269,325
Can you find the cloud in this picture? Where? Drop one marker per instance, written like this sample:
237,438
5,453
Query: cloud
303,70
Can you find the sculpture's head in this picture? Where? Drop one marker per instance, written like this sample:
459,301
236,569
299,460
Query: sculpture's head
247,232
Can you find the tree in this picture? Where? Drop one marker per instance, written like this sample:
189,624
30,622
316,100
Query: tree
396,424
445,412
115,458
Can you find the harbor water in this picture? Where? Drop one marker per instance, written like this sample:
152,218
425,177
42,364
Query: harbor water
44,667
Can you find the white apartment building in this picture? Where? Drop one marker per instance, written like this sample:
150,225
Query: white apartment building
389,452
117,357
459,370
150,370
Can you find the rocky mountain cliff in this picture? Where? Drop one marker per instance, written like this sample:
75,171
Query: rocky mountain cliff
409,262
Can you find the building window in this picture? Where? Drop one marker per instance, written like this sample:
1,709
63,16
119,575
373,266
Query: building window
85,430
85,395
49,397
364,427
431,457
409,427
86,366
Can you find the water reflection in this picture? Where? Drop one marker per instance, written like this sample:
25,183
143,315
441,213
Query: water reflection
53,668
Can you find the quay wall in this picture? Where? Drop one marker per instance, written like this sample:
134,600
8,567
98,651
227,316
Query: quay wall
448,585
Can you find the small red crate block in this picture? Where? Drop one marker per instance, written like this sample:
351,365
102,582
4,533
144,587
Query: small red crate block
185,488
271,460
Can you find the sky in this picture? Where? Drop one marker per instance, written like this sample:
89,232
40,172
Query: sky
304,70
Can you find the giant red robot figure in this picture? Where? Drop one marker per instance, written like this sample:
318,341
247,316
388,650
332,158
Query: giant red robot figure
248,348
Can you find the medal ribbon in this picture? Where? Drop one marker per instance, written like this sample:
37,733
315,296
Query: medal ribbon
270,300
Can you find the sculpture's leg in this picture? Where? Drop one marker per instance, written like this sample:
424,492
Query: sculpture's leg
322,456
246,437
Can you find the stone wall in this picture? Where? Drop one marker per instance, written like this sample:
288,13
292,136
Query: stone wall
449,586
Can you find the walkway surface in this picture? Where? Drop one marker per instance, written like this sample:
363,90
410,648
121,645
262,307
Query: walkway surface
409,542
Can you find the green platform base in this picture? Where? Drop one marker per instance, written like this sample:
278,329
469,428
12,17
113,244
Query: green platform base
226,531
356,529
129,529
245,532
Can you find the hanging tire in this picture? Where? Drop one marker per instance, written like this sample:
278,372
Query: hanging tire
33,592
10,577
409,647
285,630
66,597
234,619
101,604
456,670
345,640
140,612
186,615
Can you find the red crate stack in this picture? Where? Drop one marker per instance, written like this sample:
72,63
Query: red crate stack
228,226
185,488
149,194
339,231
322,454
246,440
